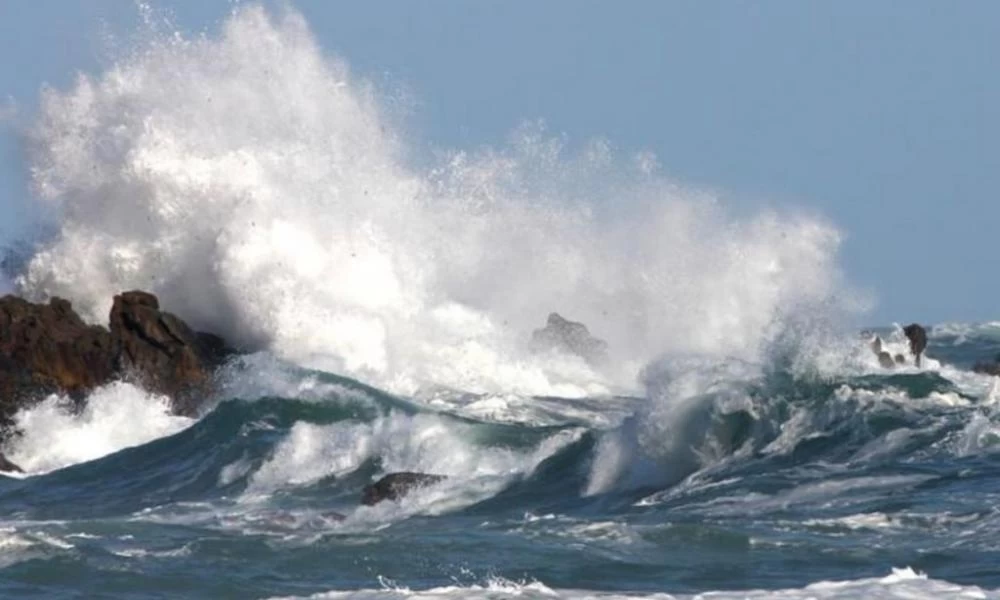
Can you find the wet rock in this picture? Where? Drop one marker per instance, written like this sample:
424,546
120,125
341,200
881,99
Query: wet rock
396,485
161,352
564,335
47,348
918,340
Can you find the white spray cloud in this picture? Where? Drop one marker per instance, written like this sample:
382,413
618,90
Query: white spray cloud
257,187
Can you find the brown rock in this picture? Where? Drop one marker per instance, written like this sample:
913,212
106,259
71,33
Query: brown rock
47,348
161,352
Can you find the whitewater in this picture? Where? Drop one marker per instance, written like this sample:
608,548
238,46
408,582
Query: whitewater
739,441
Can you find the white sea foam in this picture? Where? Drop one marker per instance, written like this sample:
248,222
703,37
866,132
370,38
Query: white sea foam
901,583
115,416
262,191
423,443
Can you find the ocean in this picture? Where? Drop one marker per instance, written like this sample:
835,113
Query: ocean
738,440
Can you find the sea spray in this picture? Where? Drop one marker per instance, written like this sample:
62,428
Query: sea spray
54,434
256,186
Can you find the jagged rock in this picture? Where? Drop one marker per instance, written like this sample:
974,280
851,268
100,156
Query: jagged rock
396,485
918,340
569,336
47,348
161,352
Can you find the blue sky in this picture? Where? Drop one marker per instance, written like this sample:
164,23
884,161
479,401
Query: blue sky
882,116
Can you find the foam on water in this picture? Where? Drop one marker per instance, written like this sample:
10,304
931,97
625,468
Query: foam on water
116,416
263,192
901,583
425,443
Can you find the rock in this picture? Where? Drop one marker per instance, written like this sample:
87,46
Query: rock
396,485
918,340
47,348
988,368
569,336
161,352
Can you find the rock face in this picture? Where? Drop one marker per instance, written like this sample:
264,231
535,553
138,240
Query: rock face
918,340
47,348
160,352
396,485
569,336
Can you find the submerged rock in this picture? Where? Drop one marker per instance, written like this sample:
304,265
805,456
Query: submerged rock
396,485
47,348
564,335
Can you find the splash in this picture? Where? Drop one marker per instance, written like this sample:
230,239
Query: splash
264,193
53,435
424,443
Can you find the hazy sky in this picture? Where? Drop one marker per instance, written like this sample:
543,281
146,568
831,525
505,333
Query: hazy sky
882,116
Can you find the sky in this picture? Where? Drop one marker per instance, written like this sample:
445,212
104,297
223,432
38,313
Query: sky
882,116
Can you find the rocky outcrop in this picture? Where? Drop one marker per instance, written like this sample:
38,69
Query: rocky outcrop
47,348
160,352
918,340
564,335
396,485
